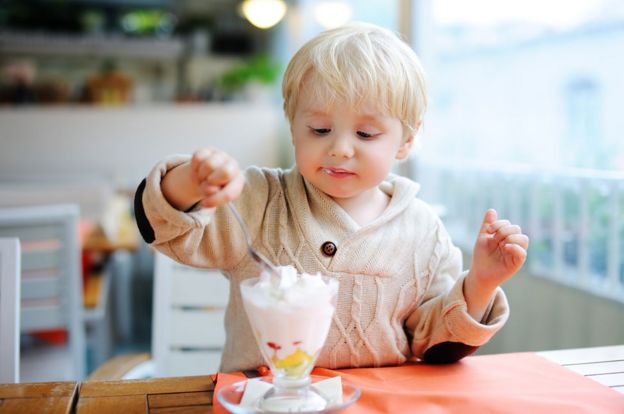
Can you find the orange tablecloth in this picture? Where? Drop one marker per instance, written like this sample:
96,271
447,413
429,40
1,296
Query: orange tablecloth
506,383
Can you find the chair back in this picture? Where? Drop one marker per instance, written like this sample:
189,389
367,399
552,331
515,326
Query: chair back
51,285
9,310
188,314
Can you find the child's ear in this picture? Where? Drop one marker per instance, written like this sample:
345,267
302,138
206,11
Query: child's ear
405,147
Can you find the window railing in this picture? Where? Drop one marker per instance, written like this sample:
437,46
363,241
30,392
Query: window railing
575,218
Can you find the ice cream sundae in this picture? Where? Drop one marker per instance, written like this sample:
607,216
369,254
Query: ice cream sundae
290,318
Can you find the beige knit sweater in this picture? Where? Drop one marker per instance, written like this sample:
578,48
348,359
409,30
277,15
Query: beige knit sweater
400,276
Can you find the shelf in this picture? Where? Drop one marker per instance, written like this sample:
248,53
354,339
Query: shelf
100,46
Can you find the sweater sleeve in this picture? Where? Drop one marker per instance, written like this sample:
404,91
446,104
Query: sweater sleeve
200,237
442,331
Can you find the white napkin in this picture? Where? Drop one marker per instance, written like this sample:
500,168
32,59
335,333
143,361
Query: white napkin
330,388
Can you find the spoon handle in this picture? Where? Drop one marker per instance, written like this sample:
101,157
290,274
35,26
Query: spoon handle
264,263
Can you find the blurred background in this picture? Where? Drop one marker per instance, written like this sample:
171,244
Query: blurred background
524,116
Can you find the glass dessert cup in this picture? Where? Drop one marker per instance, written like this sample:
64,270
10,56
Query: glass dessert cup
290,324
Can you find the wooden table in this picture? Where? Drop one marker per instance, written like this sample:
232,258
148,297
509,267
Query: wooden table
42,397
154,396
194,394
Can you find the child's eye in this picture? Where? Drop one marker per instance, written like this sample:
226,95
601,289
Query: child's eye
321,131
366,135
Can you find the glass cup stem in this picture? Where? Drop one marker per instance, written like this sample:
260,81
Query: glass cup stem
285,383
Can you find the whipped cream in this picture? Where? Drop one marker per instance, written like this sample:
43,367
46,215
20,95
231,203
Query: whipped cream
292,289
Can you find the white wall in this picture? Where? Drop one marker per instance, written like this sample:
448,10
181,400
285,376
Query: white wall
122,144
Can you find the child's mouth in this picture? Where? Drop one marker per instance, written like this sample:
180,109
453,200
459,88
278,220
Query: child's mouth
337,172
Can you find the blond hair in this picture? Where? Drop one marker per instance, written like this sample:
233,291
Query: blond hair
359,63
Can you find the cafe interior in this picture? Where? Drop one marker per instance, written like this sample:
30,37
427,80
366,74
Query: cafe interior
93,93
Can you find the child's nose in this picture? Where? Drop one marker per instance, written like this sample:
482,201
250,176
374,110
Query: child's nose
342,147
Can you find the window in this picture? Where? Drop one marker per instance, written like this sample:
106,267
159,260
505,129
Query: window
582,111
525,117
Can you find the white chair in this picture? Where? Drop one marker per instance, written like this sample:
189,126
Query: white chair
188,331
187,325
99,203
9,310
51,286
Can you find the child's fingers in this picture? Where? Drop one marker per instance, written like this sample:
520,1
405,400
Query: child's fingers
199,157
217,175
208,189
521,240
224,173
206,160
517,254
506,230
227,193
208,165
488,219
496,225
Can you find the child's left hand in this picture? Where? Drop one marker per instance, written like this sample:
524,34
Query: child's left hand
499,252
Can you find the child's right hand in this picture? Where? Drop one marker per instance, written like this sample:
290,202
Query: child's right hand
217,176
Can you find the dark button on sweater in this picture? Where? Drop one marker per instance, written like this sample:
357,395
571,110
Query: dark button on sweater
328,248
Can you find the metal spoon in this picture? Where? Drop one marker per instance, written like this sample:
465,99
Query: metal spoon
264,263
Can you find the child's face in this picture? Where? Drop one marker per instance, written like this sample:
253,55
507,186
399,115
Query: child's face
345,152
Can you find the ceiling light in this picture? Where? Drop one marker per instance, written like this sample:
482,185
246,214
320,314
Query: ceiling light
332,14
264,13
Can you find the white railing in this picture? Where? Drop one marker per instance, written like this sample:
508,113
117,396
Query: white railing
575,218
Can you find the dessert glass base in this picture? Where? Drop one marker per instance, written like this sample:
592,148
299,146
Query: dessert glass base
288,396
306,400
